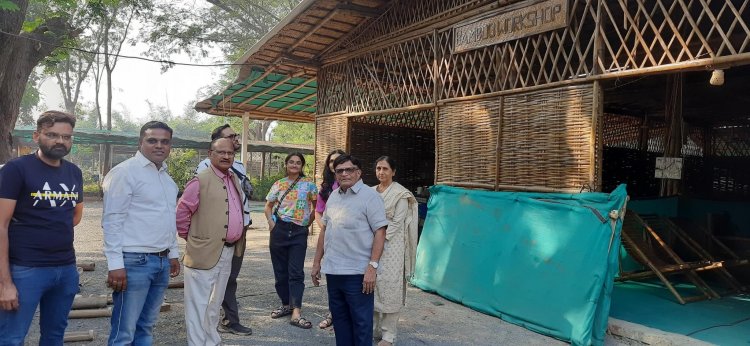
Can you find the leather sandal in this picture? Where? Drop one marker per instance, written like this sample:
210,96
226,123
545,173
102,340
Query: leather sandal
281,312
301,323
327,322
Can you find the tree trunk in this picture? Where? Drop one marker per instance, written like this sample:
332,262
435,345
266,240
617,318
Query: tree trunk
18,57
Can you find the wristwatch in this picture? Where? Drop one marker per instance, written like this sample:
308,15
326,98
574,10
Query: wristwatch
374,264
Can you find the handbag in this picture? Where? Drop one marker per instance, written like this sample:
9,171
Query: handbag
275,216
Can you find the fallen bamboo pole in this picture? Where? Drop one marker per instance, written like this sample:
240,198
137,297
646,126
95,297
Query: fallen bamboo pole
93,302
87,266
90,313
176,284
165,307
79,336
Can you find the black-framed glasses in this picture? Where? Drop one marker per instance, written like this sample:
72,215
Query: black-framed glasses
234,136
348,170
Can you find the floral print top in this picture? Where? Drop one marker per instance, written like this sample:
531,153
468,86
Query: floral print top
297,205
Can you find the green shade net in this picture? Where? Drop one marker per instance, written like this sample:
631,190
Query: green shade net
544,261
271,91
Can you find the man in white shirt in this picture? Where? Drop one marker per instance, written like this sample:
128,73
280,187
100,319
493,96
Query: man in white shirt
231,322
140,240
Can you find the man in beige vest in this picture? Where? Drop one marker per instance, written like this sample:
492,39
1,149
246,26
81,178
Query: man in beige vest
209,218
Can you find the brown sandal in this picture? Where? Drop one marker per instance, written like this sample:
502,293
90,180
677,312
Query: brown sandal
327,322
301,323
281,312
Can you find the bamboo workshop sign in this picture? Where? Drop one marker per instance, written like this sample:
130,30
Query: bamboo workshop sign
509,24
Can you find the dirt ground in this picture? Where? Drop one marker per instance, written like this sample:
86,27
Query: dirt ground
428,319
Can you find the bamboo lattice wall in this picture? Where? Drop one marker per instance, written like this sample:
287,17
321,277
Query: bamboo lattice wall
604,39
403,60
330,133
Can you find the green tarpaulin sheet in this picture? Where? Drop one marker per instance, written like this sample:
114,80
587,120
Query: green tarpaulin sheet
544,261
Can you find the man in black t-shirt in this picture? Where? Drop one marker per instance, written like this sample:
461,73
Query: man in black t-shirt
40,202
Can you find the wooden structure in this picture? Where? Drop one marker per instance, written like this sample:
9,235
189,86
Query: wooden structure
647,245
510,94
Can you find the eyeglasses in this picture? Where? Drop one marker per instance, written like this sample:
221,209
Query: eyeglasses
223,153
55,136
348,170
234,136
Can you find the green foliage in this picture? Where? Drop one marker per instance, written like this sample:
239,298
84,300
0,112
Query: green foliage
8,5
262,186
30,25
181,165
91,188
293,133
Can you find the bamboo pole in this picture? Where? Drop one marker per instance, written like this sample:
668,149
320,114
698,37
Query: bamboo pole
93,302
79,336
382,112
176,284
499,143
90,313
87,266
594,154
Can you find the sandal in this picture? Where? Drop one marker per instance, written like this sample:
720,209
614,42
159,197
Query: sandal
281,312
327,322
301,323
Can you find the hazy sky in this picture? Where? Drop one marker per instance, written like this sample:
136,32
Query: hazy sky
135,81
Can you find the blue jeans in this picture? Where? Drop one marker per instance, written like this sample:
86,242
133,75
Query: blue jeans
352,310
288,244
136,309
50,288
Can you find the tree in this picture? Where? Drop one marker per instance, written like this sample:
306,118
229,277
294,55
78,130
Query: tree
232,26
115,18
293,133
23,44
30,100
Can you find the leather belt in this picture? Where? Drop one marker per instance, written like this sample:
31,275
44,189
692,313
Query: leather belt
228,244
163,253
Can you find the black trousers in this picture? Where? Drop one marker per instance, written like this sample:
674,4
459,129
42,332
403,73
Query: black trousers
230,305
288,245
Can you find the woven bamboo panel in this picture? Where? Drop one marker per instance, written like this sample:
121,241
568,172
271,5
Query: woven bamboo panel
422,120
466,143
731,140
396,76
549,57
330,133
413,149
546,139
400,16
622,131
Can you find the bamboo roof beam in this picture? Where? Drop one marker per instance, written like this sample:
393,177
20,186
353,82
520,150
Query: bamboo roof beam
280,82
298,101
225,98
282,95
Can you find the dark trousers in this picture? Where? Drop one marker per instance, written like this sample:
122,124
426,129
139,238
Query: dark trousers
230,306
288,245
352,310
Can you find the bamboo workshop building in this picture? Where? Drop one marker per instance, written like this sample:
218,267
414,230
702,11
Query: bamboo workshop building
553,95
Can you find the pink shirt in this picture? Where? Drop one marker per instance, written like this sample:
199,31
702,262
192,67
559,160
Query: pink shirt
320,206
189,203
